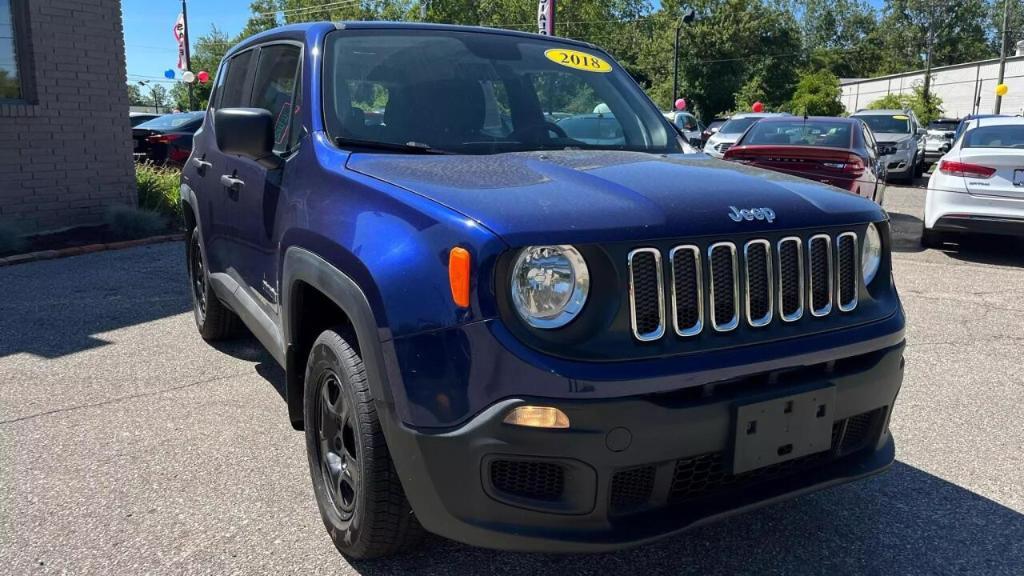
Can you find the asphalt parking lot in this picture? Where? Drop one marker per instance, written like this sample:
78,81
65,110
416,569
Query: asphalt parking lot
128,446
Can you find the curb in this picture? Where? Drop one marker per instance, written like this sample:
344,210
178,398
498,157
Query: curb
87,249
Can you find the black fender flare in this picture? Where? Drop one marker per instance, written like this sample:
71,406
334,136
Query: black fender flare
189,201
302,265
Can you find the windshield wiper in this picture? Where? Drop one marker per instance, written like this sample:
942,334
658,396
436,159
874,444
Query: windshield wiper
409,147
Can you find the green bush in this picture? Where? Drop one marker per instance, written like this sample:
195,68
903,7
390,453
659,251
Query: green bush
130,223
159,190
817,94
10,241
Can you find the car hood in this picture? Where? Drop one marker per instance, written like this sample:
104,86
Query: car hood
891,138
588,196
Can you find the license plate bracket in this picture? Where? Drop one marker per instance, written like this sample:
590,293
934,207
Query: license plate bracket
781,429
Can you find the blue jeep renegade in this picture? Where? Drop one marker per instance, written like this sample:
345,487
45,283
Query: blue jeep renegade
514,309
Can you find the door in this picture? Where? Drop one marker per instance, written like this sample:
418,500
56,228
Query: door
207,163
997,150
276,88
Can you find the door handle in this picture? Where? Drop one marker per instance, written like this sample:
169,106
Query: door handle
201,165
231,183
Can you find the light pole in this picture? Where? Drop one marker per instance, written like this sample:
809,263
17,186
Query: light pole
1002,53
188,54
687,18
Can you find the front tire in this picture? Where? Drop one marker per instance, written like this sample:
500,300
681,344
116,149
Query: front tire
357,489
213,319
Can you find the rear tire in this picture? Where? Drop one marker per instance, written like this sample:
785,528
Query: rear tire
357,489
213,319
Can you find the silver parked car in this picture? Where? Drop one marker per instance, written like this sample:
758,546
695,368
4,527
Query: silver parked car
901,141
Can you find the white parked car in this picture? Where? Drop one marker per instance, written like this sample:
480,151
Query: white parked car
978,185
731,131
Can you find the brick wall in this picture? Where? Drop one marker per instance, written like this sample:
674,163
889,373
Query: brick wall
66,155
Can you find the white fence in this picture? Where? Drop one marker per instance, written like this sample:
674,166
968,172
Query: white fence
964,88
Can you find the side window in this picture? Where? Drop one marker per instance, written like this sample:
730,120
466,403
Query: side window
869,140
232,92
277,89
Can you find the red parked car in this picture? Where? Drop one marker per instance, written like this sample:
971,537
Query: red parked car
837,151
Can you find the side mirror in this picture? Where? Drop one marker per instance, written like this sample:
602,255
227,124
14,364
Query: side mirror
921,131
247,132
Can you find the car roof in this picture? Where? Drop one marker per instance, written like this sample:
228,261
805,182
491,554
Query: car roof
809,118
886,112
760,115
995,121
307,29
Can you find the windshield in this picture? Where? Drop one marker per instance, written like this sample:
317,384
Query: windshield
737,125
800,133
174,121
1005,136
483,93
897,124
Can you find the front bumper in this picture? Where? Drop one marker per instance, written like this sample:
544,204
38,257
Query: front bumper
900,162
634,469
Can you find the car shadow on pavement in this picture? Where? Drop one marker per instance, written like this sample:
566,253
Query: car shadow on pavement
977,248
906,521
905,231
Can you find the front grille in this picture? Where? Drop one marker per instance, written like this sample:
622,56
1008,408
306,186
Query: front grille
724,288
721,148
532,479
631,489
755,284
646,294
819,252
886,149
846,256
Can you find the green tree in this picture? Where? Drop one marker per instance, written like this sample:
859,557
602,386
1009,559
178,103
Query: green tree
157,96
840,36
135,95
926,110
957,30
817,94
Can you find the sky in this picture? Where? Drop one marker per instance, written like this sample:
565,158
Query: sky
150,46
148,39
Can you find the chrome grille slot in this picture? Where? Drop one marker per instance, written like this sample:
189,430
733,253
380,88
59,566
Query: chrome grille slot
847,267
723,288
791,279
820,275
646,294
757,260
687,290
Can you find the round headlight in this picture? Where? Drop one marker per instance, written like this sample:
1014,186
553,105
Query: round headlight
549,285
871,254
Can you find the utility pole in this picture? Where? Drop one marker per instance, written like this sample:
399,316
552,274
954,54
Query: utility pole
1002,52
929,40
423,10
188,56
687,18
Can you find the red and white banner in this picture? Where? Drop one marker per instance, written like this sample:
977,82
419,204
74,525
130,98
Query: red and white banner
546,17
179,35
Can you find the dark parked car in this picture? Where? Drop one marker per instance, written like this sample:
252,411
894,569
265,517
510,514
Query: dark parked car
501,334
836,151
167,139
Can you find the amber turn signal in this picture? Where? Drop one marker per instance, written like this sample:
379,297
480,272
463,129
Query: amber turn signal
537,417
458,276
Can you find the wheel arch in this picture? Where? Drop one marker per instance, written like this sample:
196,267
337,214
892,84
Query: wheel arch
336,300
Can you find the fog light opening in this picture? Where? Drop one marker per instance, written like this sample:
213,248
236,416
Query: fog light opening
537,417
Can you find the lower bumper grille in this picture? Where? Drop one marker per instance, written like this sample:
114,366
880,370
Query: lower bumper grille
708,474
528,479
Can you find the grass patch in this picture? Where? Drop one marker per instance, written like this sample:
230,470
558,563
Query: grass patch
159,190
130,223
11,242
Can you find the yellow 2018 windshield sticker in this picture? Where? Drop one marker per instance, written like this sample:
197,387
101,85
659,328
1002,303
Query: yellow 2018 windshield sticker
578,60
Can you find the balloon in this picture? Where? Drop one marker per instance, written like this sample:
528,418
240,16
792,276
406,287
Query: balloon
681,104
169,74
757,107
188,76
1002,89
203,76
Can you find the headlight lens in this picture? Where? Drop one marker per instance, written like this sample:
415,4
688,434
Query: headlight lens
905,144
549,285
871,254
